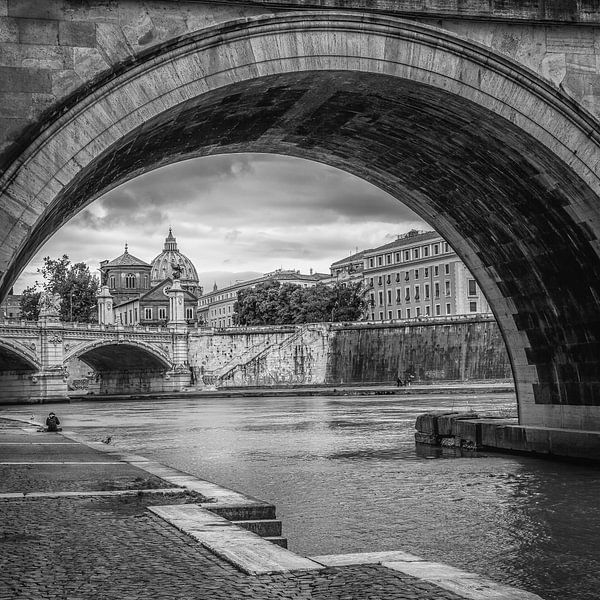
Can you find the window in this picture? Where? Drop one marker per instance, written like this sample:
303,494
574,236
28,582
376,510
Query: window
380,298
130,281
371,262
415,253
397,277
437,289
380,280
446,247
437,310
472,306
426,272
407,295
436,271
388,259
425,250
416,273
371,282
447,309
408,313
406,255
447,269
389,297
436,248
389,279
372,316
399,313
418,311
135,315
372,300
428,311
145,282
398,295
397,257
417,292
162,313
381,315
426,291
130,316
390,317
407,276
379,260
447,287
189,312
472,287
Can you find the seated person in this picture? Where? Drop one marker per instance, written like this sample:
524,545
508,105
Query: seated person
52,422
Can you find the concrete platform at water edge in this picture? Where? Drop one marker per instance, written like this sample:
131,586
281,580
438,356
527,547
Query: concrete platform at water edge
81,520
454,388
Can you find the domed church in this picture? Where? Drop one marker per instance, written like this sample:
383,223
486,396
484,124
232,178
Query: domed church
140,290
162,266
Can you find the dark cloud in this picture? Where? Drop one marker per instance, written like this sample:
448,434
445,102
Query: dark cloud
255,211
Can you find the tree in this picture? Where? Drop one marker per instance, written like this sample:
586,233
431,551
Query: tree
29,302
272,303
75,285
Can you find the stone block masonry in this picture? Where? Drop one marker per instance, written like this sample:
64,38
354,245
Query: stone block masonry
351,353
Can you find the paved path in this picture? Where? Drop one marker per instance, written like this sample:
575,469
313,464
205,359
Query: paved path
111,547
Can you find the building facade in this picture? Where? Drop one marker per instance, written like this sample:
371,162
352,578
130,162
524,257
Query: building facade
216,308
416,275
139,290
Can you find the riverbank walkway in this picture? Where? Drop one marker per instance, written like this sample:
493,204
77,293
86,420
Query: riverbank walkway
81,521
451,388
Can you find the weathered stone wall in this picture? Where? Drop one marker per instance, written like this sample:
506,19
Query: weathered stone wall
457,351
350,354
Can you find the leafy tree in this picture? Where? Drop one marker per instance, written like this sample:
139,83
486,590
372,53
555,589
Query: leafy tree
272,303
29,302
75,285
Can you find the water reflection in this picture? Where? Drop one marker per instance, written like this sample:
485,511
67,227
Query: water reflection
346,477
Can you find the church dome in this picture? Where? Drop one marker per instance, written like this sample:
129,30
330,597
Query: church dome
161,266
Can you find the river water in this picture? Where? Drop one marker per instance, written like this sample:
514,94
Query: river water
346,476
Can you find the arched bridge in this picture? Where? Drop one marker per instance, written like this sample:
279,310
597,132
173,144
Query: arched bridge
481,116
41,361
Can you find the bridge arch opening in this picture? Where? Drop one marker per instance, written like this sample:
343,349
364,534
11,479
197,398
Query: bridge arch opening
118,368
496,160
14,360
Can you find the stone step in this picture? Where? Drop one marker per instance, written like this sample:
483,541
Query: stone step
262,527
247,551
247,512
278,541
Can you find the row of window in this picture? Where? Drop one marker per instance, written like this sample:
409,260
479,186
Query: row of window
418,312
410,254
417,293
416,275
130,281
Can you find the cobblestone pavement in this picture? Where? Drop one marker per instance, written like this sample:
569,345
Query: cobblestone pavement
112,548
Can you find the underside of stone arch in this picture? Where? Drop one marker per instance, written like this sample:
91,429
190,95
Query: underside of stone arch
111,357
495,159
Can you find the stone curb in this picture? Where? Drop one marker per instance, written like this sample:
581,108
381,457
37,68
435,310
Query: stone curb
25,495
470,586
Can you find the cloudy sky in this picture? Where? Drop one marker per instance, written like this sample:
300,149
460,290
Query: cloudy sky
234,214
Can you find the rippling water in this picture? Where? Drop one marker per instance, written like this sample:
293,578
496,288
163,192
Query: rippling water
346,476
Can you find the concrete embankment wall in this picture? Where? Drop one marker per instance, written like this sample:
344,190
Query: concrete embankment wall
431,352
350,353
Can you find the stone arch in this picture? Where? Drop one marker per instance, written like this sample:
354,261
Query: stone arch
14,356
499,161
115,355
